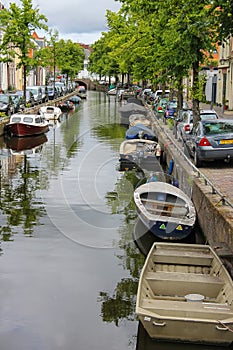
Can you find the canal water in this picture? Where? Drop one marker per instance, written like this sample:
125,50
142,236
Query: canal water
69,262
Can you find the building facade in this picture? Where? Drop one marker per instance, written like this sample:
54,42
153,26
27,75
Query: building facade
225,75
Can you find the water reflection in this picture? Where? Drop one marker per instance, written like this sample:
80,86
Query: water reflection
25,145
20,209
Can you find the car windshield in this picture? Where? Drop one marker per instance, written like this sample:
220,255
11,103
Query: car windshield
34,91
218,128
172,104
15,97
4,98
208,116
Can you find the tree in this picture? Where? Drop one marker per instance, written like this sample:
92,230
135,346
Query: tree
70,58
65,55
222,13
101,61
48,54
18,25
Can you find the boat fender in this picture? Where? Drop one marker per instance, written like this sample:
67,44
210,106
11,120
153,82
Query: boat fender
170,168
175,183
158,150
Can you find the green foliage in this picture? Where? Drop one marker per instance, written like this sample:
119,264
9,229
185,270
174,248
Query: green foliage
161,41
70,58
222,12
197,90
170,123
18,25
3,115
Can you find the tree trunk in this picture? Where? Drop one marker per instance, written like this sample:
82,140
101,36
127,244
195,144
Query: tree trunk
24,81
180,95
195,100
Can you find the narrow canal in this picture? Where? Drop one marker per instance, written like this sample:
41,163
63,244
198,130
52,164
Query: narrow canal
69,265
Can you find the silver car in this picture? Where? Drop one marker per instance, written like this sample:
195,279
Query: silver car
185,121
211,140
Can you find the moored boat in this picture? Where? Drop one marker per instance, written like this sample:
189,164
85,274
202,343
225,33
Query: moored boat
82,92
66,106
138,118
130,108
185,294
75,99
127,94
165,210
27,125
139,153
139,130
50,112
134,100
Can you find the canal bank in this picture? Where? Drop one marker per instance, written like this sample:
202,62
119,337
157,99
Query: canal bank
214,208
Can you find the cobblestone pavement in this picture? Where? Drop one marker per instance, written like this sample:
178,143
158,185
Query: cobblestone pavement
221,176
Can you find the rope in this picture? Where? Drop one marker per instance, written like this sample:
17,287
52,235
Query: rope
225,326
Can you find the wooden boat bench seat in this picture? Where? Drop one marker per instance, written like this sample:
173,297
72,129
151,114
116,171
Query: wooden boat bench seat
176,283
167,212
162,203
165,208
176,257
188,309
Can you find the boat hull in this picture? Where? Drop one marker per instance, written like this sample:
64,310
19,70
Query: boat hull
166,230
21,130
151,163
186,331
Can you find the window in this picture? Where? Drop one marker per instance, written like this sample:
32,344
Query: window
16,120
28,120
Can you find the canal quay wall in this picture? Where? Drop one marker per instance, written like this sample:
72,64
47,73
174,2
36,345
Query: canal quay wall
214,211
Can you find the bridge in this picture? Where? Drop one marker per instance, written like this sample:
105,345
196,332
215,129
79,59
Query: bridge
90,85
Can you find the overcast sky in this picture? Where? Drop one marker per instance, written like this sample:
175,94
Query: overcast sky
79,20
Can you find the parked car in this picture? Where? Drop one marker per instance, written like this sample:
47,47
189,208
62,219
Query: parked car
103,82
160,106
145,93
19,103
160,94
45,96
61,87
171,109
211,140
30,101
6,104
185,121
37,93
52,93
59,90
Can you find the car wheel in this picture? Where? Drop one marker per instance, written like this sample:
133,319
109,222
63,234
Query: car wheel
197,161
